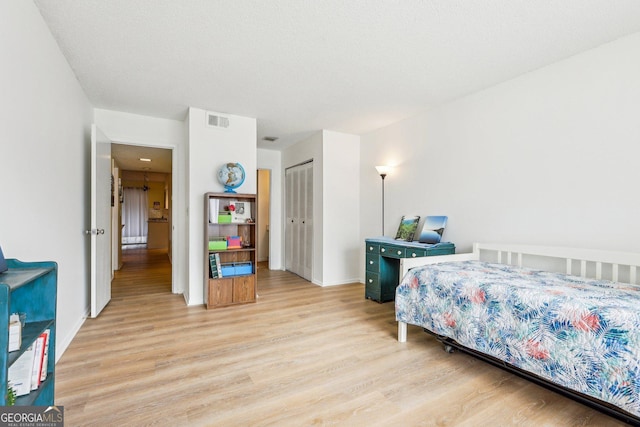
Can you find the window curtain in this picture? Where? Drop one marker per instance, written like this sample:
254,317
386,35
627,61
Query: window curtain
134,216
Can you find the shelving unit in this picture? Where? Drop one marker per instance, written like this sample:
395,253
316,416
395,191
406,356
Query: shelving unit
234,287
29,288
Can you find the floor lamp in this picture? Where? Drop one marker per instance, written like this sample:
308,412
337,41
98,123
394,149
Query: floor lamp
383,171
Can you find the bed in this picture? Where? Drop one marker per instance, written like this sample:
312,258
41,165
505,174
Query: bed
568,319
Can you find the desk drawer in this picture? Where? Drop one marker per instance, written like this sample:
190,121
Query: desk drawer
441,249
372,248
372,286
415,252
373,262
392,251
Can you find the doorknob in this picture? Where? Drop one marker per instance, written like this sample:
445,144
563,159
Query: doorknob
94,231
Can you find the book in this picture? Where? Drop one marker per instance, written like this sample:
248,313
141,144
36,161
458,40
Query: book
432,229
214,206
218,264
234,242
213,267
38,355
407,228
45,359
20,372
15,332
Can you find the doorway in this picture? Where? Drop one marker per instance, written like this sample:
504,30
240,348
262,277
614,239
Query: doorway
143,219
264,208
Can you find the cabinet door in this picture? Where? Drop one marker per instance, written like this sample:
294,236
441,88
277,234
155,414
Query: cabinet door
244,289
220,292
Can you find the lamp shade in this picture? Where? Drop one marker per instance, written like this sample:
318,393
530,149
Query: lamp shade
383,170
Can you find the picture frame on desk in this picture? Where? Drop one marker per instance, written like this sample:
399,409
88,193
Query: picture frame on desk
407,228
432,229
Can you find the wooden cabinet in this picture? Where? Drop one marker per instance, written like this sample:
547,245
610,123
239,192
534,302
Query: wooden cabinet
29,288
229,216
382,263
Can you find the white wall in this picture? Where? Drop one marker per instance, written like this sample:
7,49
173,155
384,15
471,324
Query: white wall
341,208
134,129
271,159
336,212
44,160
209,149
549,158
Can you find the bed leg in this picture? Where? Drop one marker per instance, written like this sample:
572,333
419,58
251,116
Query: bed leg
402,332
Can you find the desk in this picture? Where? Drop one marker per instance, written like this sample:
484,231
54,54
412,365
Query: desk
382,267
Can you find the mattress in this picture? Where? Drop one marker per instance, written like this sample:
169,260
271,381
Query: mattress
581,334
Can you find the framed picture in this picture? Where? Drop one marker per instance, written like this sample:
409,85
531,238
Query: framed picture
432,229
241,211
407,228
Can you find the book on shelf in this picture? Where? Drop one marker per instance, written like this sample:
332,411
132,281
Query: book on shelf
219,266
38,355
214,265
15,332
214,206
234,242
45,358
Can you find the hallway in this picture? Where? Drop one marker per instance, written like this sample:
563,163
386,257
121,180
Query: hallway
143,272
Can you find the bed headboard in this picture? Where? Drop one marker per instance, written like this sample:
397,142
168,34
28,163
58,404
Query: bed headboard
597,264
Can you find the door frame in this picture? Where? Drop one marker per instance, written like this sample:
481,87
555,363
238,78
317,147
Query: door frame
174,254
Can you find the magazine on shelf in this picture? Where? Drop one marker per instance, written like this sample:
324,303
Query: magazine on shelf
20,372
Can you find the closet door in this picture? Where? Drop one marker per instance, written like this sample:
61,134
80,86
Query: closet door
307,223
299,220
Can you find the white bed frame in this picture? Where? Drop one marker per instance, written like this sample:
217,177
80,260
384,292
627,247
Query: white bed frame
615,266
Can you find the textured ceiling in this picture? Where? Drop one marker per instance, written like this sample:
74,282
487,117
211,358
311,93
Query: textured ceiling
299,66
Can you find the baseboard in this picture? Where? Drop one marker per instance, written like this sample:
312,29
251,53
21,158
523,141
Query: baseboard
63,344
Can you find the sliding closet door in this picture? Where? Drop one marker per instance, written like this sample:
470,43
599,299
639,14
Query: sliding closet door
299,220
307,223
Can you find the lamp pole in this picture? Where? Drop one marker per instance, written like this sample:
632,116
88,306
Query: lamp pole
383,176
383,171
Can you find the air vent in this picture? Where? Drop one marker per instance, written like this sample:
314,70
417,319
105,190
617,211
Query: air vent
217,121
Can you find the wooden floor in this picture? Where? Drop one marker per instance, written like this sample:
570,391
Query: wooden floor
302,355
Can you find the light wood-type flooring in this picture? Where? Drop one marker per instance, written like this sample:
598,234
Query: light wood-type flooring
302,355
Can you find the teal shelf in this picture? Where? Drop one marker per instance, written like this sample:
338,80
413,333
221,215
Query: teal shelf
30,288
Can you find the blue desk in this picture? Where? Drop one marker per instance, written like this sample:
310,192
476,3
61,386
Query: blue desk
382,268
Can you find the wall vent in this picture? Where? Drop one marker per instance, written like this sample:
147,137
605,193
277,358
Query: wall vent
217,121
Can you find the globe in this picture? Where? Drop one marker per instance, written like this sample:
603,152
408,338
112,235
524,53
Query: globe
231,175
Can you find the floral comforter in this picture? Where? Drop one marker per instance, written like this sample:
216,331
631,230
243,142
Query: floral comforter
582,334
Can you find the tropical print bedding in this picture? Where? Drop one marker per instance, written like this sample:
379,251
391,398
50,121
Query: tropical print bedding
579,333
